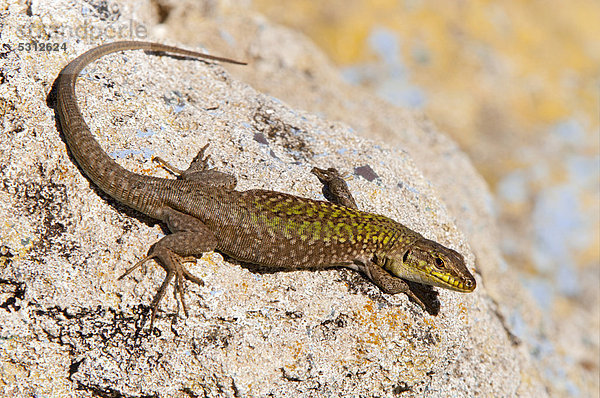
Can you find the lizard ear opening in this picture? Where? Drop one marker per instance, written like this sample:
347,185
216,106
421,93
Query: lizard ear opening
405,257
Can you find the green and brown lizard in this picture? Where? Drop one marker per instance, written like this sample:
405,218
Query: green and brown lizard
271,229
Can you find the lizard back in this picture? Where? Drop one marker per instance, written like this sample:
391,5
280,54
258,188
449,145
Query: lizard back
289,232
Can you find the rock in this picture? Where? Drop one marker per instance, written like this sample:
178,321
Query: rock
69,327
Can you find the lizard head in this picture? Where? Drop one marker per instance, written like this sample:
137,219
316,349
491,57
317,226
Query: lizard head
430,263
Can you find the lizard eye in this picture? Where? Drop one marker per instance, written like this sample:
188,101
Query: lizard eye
439,262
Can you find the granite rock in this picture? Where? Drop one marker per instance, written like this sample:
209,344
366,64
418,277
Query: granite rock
70,328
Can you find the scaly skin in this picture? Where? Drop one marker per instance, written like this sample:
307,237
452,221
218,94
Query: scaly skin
271,229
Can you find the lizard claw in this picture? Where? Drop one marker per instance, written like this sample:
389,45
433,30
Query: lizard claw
137,265
200,160
199,163
417,300
326,176
174,170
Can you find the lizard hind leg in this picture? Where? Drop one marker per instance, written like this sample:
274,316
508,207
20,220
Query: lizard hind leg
198,171
173,266
190,239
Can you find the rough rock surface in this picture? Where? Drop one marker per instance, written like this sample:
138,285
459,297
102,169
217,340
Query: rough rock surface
68,327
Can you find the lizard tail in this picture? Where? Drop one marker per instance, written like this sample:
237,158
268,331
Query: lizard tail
127,187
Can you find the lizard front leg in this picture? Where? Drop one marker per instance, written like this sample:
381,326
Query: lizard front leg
387,282
336,191
190,238
335,188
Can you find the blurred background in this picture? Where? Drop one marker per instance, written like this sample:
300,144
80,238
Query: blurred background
516,84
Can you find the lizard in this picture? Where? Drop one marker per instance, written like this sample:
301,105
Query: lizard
274,230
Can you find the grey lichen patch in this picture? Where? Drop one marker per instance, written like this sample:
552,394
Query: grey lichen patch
217,335
328,329
46,205
269,124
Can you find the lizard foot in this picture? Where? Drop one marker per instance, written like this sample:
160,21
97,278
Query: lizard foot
200,172
387,282
198,164
173,265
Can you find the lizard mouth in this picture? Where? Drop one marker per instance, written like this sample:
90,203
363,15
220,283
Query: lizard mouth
450,281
